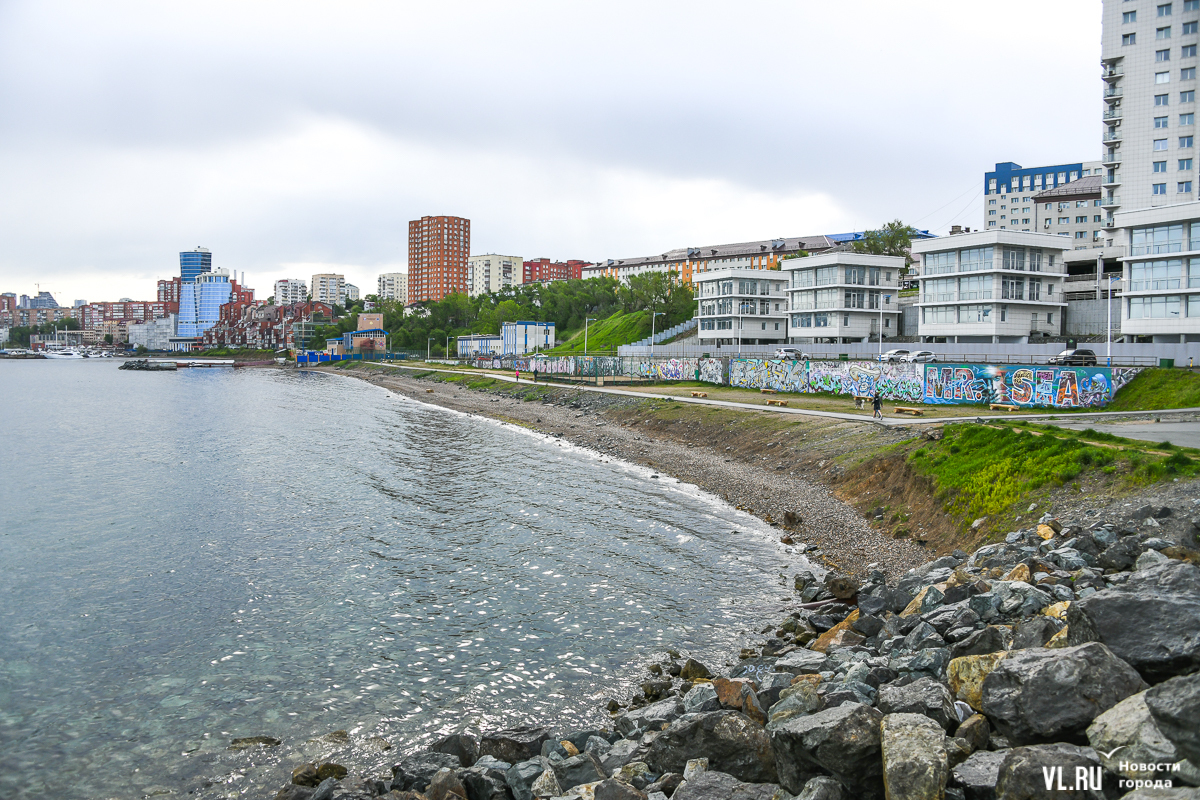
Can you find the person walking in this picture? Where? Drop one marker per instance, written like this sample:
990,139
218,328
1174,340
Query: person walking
518,374
877,405
535,371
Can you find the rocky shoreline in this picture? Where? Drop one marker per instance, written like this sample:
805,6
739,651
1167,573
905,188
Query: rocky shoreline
1061,662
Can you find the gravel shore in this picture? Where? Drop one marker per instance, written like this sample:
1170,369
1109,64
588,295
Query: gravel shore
779,485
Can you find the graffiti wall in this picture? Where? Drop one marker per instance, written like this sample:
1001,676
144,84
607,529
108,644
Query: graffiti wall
1025,386
893,381
760,373
712,370
670,369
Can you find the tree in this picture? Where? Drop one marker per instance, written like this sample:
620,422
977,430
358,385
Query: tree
893,239
108,338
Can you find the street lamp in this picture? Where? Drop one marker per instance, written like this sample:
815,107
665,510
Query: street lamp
653,316
585,324
1108,333
885,298
427,352
447,347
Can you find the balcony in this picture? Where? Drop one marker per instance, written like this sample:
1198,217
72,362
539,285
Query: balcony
1164,247
1113,136
1111,179
1111,159
1114,113
1110,202
1112,73
1114,92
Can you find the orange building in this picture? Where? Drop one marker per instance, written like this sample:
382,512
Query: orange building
438,248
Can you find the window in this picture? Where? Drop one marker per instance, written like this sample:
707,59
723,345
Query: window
1160,122
1191,5
1128,17
1185,141
1187,74
978,287
1185,164
1064,220
975,259
938,291
1162,33
1184,187
1081,220
802,277
1189,27
975,314
1164,10
1160,144
1128,39
1188,97
937,263
1035,289
1162,55
826,275
1083,234
1163,307
1158,188
1161,100
1187,119
1160,166
1161,239
1187,51
1014,258
856,275
827,298
991,202
1096,218
938,315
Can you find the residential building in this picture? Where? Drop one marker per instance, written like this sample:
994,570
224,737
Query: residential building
193,263
43,300
842,296
393,286
93,315
1148,68
543,270
438,248
741,306
155,334
201,300
480,344
491,272
1160,299
519,338
351,292
169,292
1011,192
1073,211
991,286
690,262
329,288
290,290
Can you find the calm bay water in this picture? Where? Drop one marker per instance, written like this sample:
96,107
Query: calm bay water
191,557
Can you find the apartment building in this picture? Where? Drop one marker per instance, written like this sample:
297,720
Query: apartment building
991,286
1148,67
1034,199
290,290
329,288
1160,301
393,286
491,272
842,297
543,270
741,306
351,292
438,248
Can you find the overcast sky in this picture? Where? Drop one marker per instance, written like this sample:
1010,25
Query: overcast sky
293,138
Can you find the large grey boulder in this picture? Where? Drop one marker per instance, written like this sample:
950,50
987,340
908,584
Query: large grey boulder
701,698
711,785
977,775
842,741
415,772
730,740
445,785
520,777
822,788
923,696
546,785
619,754
653,716
1025,770
462,745
796,701
1045,695
1152,621
514,744
483,782
981,642
1127,735
583,768
1175,706
803,662
914,757
613,789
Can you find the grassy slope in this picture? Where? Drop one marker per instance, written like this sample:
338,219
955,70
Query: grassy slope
1158,388
607,334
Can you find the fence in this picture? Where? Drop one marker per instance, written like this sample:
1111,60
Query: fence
316,357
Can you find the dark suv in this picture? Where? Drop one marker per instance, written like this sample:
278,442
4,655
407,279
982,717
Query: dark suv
1074,358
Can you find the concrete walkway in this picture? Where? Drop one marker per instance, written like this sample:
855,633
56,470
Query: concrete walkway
891,422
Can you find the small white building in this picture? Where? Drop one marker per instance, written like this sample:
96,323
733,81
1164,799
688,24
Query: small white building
393,286
480,344
842,297
741,306
1160,299
490,272
519,338
991,287
351,292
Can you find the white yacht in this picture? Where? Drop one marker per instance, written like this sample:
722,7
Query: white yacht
62,354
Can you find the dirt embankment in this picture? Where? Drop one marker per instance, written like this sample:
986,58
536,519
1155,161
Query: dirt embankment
781,469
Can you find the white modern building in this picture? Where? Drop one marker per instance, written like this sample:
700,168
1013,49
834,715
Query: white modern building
155,334
480,344
741,306
393,286
991,287
1160,299
1148,61
519,338
490,272
842,297
329,288
351,292
290,290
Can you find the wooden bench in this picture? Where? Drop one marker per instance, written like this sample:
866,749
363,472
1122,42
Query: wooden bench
429,391
699,394
768,391
1002,407
777,402
916,412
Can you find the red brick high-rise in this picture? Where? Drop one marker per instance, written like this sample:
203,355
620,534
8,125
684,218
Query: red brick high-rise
438,248
544,270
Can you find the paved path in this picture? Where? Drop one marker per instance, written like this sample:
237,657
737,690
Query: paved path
890,422
1183,434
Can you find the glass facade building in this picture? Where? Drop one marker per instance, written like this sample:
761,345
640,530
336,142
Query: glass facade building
200,302
193,263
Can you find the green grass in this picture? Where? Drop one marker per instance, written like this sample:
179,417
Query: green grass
607,334
983,471
1153,389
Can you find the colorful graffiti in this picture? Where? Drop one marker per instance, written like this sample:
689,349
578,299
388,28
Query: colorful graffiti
670,369
782,375
860,378
1024,386
712,370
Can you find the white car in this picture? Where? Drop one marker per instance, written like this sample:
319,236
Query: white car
794,353
919,357
894,355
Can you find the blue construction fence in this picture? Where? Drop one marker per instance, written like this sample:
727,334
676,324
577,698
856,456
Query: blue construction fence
317,357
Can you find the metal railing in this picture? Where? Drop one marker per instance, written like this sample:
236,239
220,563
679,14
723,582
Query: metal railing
1111,179
1112,137
1114,113
1110,201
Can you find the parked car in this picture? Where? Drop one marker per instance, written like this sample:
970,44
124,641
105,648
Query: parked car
893,355
919,357
794,353
1074,358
